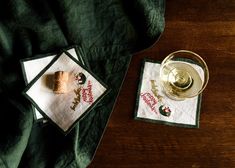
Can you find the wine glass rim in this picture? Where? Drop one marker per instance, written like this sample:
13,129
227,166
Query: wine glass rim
206,71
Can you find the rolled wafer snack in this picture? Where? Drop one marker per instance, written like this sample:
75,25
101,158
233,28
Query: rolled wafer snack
60,82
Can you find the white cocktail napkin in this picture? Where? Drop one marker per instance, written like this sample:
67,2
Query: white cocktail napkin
154,106
31,67
64,110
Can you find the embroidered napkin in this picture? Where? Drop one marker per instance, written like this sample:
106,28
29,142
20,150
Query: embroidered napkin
31,67
154,106
64,110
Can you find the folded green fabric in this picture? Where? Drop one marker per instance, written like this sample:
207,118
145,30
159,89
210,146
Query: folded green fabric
108,31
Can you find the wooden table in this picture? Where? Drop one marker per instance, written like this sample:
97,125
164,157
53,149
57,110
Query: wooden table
206,27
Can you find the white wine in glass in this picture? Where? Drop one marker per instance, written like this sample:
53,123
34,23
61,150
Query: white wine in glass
183,74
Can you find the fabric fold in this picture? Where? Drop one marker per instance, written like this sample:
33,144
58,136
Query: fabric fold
108,33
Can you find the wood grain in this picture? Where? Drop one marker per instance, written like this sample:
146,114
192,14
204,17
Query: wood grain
206,27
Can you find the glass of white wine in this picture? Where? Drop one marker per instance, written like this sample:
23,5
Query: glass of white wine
183,74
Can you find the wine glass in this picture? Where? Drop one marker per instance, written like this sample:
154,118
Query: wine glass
183,74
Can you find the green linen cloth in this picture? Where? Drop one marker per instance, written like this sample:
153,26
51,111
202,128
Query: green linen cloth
108,31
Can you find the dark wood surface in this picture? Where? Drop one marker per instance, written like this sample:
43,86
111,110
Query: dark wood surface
206,27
